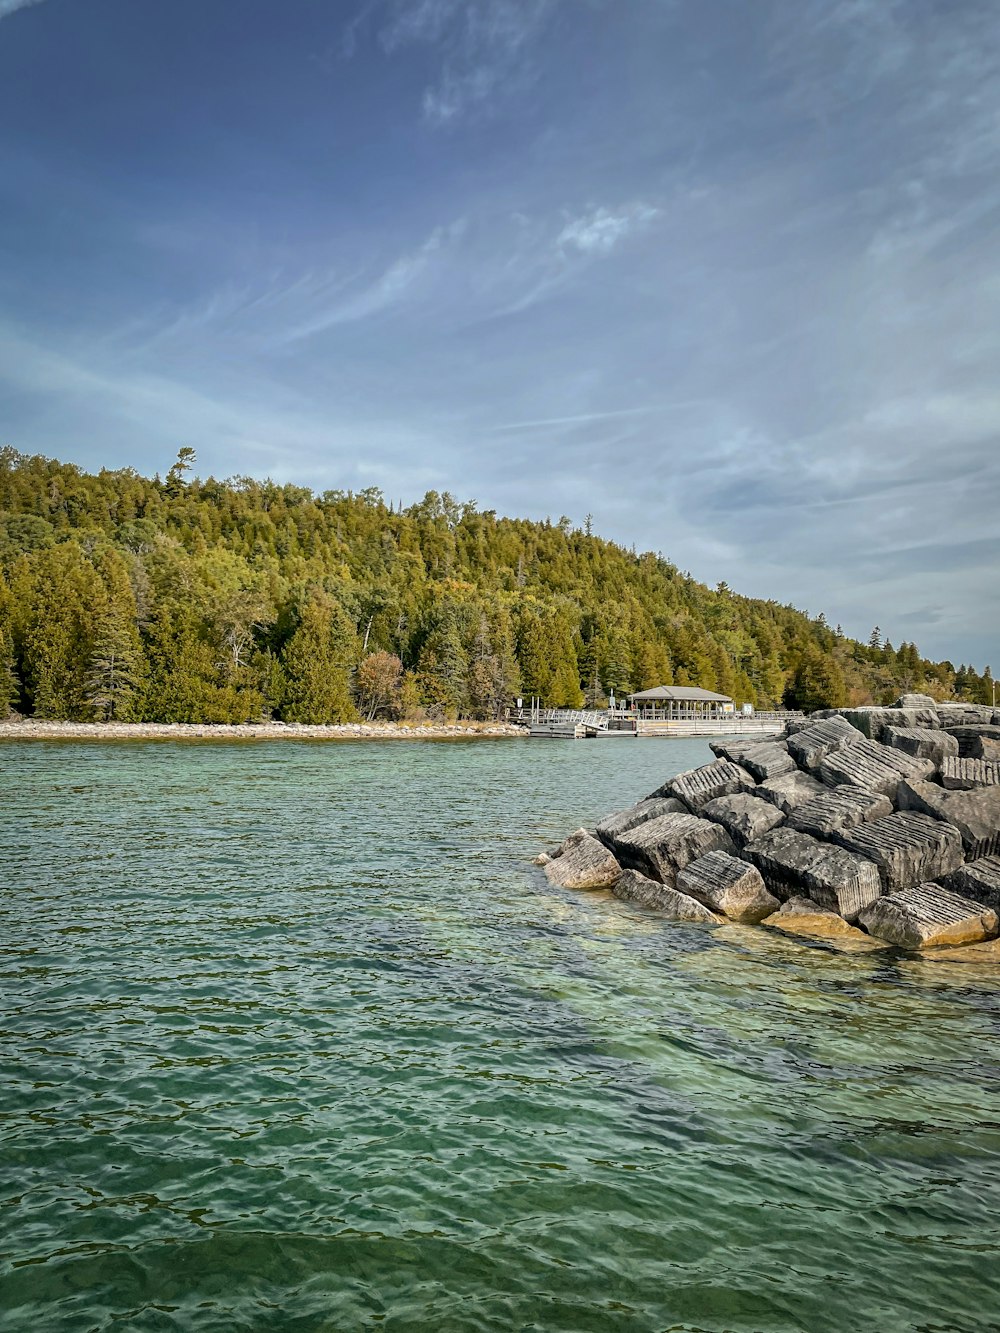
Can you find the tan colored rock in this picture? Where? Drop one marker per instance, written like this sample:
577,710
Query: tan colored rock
636,888
987,954
727,885
582,862
801,916
927,916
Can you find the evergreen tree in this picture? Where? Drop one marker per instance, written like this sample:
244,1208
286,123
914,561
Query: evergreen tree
317,662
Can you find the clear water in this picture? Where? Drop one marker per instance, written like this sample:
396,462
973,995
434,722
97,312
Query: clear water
293,1038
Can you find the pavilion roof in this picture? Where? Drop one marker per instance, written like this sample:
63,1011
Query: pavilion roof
679,694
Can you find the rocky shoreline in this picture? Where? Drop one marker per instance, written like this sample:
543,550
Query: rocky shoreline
31,729
866,827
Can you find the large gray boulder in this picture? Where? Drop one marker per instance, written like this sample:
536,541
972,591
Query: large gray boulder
768,760
871,720
733,748
728,885
976,814
613,826
581,862
700,785
790,791
633,887
924,742
927,915
978,880
837,809
810,746
664,846
793,864
873,766
915,701
743,816
907,848
970,735
967,774
984,747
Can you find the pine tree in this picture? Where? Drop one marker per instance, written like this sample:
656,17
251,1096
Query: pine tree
317,661
114,673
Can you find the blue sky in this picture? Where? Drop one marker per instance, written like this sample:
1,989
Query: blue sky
724,275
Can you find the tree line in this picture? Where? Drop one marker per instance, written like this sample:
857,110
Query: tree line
185,600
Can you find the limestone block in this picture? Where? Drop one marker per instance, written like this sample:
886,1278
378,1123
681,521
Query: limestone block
969,736
967,774
582,863
700,785
636,888
743,816
795,865
954,713
810,746
984,747
907,848
978,880
767,760
790,791
986,954
871,720
915,701
873,766
614,825
661,847
976,814
924,742
801,916
737,746
837,809
729,886
926,915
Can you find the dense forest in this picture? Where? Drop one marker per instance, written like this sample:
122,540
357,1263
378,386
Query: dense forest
178,599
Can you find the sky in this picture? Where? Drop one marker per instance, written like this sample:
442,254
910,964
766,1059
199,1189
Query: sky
724,276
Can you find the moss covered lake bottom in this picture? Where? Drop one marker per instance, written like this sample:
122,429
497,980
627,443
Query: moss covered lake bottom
293,1038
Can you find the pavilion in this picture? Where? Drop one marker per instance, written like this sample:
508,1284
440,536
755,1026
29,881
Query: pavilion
666,702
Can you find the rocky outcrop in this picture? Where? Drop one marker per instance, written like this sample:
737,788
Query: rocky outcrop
838,809
873,766
664,846
907,848
924,742
700,785
795,865
926,916
622,821
811,745
743,816
790,791
633,887
728,885
582,862
966,774
976,814
801,916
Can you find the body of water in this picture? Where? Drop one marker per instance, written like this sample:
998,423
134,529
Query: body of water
293,1038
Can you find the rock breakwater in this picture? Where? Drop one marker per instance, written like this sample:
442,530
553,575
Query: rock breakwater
879,825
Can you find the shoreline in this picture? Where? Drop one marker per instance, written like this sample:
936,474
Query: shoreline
32,730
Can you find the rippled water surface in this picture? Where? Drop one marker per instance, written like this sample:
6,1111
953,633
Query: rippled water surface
293,1038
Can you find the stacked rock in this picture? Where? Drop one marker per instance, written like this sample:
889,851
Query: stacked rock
863,822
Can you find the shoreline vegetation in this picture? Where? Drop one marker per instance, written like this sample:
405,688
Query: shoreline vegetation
126,599
34,729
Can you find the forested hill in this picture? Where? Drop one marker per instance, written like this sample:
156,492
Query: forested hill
187,600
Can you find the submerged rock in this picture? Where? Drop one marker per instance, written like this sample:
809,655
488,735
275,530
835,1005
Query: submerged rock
976,814
801,916
926,916
636,888
907,848
743,816
664,846
790,791
700,785
810,746
837,809
582,862
729,886
613,826
873,766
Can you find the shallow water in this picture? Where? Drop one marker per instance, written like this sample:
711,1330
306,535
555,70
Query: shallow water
293,1038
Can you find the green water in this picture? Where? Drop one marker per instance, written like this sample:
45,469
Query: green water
293,1038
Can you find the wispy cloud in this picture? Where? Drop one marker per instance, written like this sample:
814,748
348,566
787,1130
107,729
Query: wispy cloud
598,231
8,7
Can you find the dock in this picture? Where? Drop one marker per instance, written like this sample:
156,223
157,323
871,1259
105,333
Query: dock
607,724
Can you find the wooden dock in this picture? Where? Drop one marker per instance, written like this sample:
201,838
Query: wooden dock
594,724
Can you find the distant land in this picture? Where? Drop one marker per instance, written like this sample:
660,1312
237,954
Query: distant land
127,598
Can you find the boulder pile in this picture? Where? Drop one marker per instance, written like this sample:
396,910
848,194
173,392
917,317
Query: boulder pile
878,824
